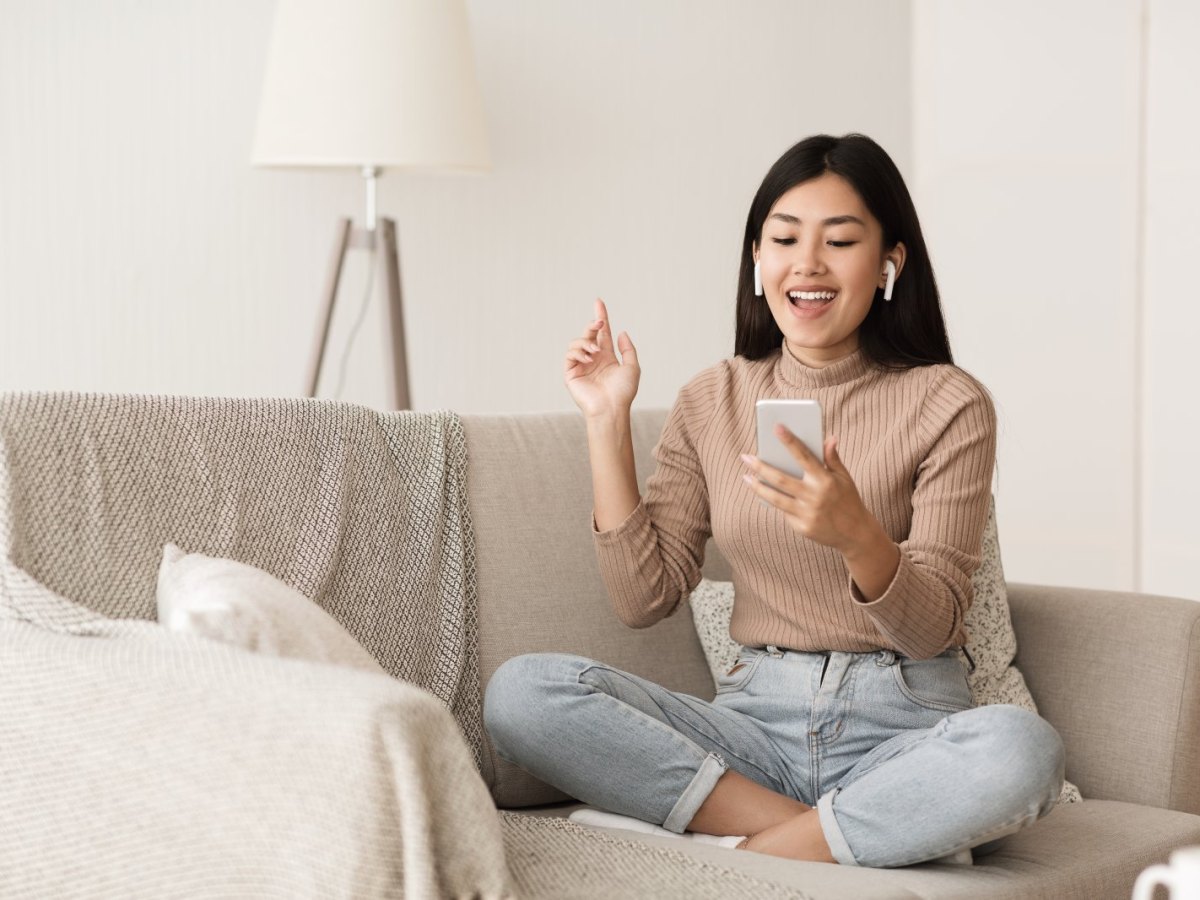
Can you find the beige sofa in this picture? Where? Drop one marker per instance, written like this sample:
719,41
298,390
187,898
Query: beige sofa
1117,674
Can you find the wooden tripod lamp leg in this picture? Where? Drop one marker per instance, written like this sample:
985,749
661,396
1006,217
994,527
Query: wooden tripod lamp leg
341,243
391,263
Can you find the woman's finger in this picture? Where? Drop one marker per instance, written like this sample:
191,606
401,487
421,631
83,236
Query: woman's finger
807,459
771,477
769,496
832,459
604,338
628,351
601,311
584,344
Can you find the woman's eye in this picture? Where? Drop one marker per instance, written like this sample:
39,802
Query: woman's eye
787,241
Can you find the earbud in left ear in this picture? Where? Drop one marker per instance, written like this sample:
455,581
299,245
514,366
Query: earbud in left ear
891,280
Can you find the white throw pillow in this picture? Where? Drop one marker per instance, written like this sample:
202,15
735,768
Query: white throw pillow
242,605
991,641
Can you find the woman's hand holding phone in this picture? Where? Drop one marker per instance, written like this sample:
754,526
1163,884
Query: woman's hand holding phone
825,507
601,384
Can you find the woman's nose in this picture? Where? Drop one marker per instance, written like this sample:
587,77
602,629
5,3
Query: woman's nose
806,260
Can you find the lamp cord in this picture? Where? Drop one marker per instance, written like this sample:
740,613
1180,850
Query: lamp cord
362,314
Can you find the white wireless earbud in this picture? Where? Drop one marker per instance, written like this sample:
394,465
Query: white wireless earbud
891,280
757,281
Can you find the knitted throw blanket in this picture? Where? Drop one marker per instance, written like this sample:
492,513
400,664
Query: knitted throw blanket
364,512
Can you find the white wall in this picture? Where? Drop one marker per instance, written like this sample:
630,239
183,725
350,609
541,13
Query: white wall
1170,413
139,251
1043,133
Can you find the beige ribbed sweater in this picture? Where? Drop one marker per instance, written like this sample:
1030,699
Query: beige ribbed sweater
920,445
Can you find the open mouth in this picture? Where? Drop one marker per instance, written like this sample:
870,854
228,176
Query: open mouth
809,300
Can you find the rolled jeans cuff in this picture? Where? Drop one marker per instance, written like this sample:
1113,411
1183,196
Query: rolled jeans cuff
694,795
833,832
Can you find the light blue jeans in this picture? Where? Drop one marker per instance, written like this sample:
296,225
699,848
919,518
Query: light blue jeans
889,750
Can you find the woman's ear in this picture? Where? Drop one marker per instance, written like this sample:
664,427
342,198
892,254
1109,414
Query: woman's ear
897,255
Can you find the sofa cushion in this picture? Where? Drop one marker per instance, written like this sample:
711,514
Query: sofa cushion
239,604
1081,851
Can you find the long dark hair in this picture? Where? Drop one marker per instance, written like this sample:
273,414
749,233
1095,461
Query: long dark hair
907,332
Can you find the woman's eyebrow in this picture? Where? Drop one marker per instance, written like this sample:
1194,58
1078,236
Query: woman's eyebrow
832,220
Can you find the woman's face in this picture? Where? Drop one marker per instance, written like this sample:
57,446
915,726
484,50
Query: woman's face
821,258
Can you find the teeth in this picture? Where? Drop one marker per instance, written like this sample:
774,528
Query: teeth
812,295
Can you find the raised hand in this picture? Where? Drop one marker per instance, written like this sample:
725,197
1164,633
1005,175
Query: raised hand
600,383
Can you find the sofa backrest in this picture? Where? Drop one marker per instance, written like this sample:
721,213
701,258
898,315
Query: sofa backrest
530,490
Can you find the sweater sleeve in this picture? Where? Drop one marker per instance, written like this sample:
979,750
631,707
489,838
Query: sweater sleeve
922,610
652,560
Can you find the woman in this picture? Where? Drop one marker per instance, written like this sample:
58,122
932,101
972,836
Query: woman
845,732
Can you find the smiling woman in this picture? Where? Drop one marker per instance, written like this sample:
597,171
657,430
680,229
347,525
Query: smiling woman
851,582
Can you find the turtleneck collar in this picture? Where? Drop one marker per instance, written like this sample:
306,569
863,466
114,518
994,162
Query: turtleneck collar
792,372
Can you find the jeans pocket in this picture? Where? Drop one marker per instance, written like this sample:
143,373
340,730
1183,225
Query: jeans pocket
741,672
939,683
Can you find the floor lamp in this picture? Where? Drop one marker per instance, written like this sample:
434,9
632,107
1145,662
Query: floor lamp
370,86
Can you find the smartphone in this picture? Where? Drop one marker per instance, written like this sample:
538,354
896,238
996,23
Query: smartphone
802,418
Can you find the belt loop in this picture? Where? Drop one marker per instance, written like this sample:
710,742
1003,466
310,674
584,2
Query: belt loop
774,651
885,659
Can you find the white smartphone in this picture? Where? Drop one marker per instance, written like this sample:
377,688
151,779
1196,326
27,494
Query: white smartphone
802,418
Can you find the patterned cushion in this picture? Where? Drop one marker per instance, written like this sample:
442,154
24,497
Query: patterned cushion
239,604
991,641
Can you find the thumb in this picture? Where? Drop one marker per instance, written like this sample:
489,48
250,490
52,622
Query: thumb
628,351
832,460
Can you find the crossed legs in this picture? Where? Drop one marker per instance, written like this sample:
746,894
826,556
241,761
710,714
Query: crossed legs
629,746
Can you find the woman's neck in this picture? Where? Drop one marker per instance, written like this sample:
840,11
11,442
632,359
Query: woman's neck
820,357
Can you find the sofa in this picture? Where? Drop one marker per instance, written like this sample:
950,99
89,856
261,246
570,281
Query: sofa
1118,674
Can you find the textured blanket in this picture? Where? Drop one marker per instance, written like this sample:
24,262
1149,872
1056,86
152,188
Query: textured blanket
363,512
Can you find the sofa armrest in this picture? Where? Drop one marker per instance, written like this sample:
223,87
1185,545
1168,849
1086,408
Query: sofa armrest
1118,674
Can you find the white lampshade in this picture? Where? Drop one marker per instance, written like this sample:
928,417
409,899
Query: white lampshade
385,83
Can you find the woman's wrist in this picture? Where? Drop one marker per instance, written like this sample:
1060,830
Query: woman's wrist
614,472
873,560
608,424
866,540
